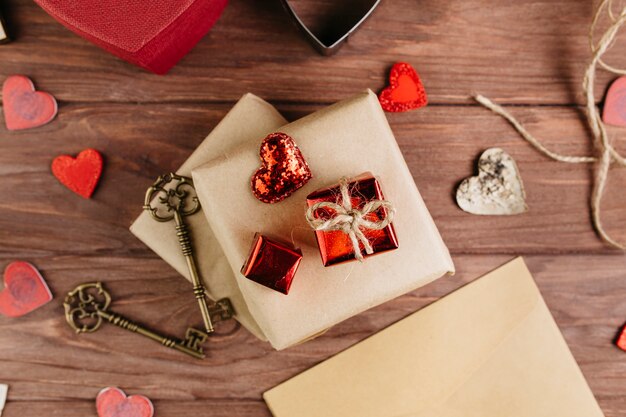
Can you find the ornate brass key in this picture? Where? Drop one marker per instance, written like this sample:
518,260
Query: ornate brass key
86,309
176,202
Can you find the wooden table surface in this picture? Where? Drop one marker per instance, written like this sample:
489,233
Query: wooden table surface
528,54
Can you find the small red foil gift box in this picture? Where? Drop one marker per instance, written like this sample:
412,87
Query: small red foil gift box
272,263
333,219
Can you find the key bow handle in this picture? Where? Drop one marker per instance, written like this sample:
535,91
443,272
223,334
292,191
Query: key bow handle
174,194
83,305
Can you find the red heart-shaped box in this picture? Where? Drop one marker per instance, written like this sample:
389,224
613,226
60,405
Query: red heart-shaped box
153,34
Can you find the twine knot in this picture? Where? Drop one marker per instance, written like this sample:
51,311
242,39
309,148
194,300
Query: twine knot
350,220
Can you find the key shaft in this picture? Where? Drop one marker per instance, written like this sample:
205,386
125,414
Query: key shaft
198,289
126,324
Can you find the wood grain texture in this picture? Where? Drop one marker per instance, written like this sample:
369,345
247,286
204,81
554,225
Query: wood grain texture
55,364
440,144
528,53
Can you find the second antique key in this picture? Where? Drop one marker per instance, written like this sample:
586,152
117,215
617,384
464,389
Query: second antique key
177,199
86,309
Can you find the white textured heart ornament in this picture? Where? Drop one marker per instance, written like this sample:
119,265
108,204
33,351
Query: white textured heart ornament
497,190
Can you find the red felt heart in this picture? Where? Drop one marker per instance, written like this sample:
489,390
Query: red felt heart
153,34
113,402
283,169
614,112
24,290
405,92
25,108
80,174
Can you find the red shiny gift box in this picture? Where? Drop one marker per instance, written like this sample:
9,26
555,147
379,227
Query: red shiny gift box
336,246
153,34
271,263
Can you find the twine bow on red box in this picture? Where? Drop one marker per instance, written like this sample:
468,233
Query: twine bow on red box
352,221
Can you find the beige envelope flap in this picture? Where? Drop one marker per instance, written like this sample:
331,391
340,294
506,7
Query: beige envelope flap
345,139
490,349
249,120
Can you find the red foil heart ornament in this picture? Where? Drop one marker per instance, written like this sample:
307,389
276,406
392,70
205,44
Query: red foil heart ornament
25,290
80,174
614,111
283,170
405,91
113,402
24,107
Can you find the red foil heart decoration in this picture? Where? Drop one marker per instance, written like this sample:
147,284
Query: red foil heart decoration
25,108
80,174
113,402
25,290
283,170
405,92
614,111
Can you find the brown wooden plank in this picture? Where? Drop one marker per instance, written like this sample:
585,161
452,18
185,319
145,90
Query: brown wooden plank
440,145
45,362
525,51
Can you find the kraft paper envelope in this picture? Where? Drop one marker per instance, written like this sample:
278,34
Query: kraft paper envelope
250,119
490,349
345,139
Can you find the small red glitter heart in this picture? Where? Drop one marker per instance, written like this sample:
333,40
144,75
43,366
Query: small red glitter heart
25,108
24,290
80,174
405,92
113,402
283,169
614,112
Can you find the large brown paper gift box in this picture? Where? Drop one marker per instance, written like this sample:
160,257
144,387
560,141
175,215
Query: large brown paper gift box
346,139
490,349
250,119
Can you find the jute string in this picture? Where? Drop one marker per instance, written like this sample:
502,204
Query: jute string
350,220
606,153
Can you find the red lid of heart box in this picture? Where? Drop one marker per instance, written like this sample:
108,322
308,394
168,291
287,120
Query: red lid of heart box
153,34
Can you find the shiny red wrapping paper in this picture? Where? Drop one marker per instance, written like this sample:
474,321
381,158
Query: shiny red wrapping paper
272,264
335,246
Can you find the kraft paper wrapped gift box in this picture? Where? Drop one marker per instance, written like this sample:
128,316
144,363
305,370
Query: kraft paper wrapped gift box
248,120
346,139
